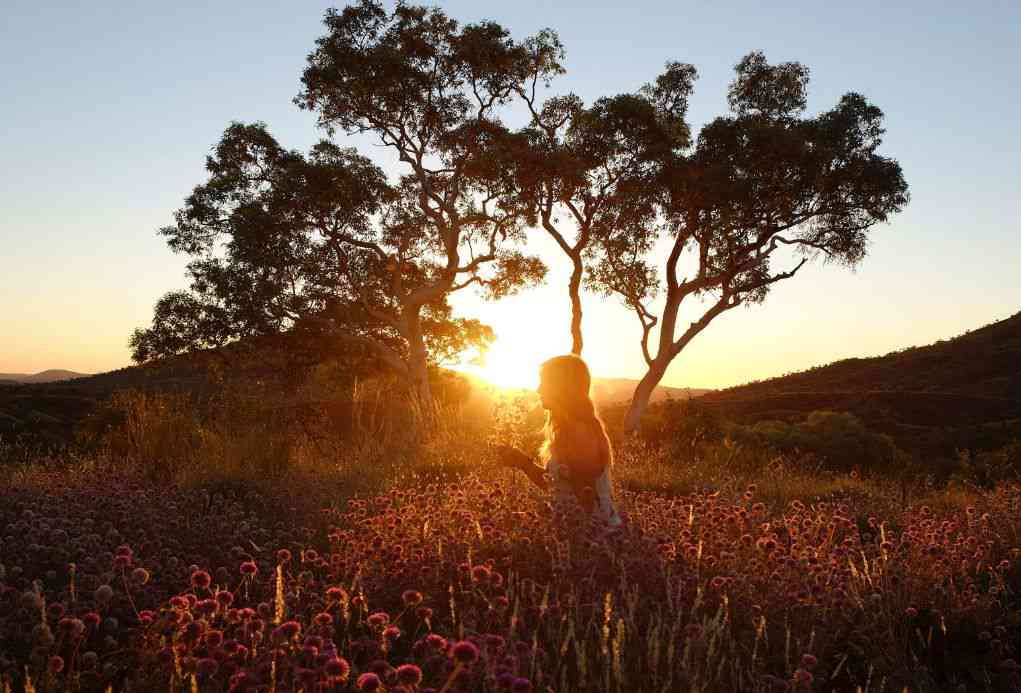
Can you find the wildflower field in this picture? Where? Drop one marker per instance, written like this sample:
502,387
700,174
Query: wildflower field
450,574
474,585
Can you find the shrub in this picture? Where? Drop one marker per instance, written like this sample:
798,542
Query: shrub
836,441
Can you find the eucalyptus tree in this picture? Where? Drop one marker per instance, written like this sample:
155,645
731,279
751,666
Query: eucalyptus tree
291,243
434,94
763,179
328,241
590,170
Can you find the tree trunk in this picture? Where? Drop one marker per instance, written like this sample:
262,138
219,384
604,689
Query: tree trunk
418,367
642,395
574,289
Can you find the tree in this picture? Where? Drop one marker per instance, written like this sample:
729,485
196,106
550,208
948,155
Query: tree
759,180
317,244
433,93
589,170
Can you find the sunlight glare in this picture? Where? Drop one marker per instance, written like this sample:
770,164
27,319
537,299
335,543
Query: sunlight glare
513,359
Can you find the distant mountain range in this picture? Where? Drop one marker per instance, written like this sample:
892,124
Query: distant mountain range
606,391
50,376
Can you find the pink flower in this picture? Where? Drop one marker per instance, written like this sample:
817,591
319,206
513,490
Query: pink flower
409,674
465,652
378,619
337,667
207,667
200,579
521,686
369,682
411,597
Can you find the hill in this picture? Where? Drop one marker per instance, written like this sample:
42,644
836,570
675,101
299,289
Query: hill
609,391
47,410
963,392
48,376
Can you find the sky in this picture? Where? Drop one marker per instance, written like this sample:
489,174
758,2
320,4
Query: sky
110,109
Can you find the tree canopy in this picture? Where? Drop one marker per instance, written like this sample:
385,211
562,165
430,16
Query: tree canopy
763,179
326,240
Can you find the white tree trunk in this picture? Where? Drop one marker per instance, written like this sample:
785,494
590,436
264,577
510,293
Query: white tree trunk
642,396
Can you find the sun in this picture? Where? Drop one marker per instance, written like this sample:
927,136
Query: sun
512,361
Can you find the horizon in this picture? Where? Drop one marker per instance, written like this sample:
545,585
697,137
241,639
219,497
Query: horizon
85,192
477,373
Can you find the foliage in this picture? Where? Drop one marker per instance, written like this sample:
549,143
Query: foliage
325,242
681,424
838,440
303,253
990,468
762,180
588,170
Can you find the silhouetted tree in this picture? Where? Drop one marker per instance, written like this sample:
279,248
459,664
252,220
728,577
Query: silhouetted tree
590,171
433,93
326,241
318,243
758,180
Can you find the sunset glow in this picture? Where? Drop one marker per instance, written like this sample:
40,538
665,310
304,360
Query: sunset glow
512,361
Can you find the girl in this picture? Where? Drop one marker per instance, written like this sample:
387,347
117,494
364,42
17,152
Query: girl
577,450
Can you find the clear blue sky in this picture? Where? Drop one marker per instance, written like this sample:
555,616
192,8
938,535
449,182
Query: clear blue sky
109,110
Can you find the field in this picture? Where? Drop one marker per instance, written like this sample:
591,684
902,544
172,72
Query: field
204,556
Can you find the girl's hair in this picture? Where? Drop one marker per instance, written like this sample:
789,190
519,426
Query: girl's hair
575,434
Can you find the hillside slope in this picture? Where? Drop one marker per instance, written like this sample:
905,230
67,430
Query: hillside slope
963,392
985,362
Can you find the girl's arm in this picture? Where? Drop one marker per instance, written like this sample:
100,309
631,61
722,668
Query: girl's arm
536,474
515,459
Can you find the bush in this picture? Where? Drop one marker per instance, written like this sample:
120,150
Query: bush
991,467
836,441
683,425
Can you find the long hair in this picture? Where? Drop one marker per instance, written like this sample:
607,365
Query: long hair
575,435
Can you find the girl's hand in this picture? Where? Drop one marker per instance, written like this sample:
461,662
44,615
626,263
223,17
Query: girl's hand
506,456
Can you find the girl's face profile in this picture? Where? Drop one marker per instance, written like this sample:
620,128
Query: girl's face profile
545,396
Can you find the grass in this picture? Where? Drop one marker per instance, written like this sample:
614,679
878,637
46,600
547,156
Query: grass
213,554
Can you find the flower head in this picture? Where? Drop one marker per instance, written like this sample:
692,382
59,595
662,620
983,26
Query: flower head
409,674
337,667
369,682
200,579
465,652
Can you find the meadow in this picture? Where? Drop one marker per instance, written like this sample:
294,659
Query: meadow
237,553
